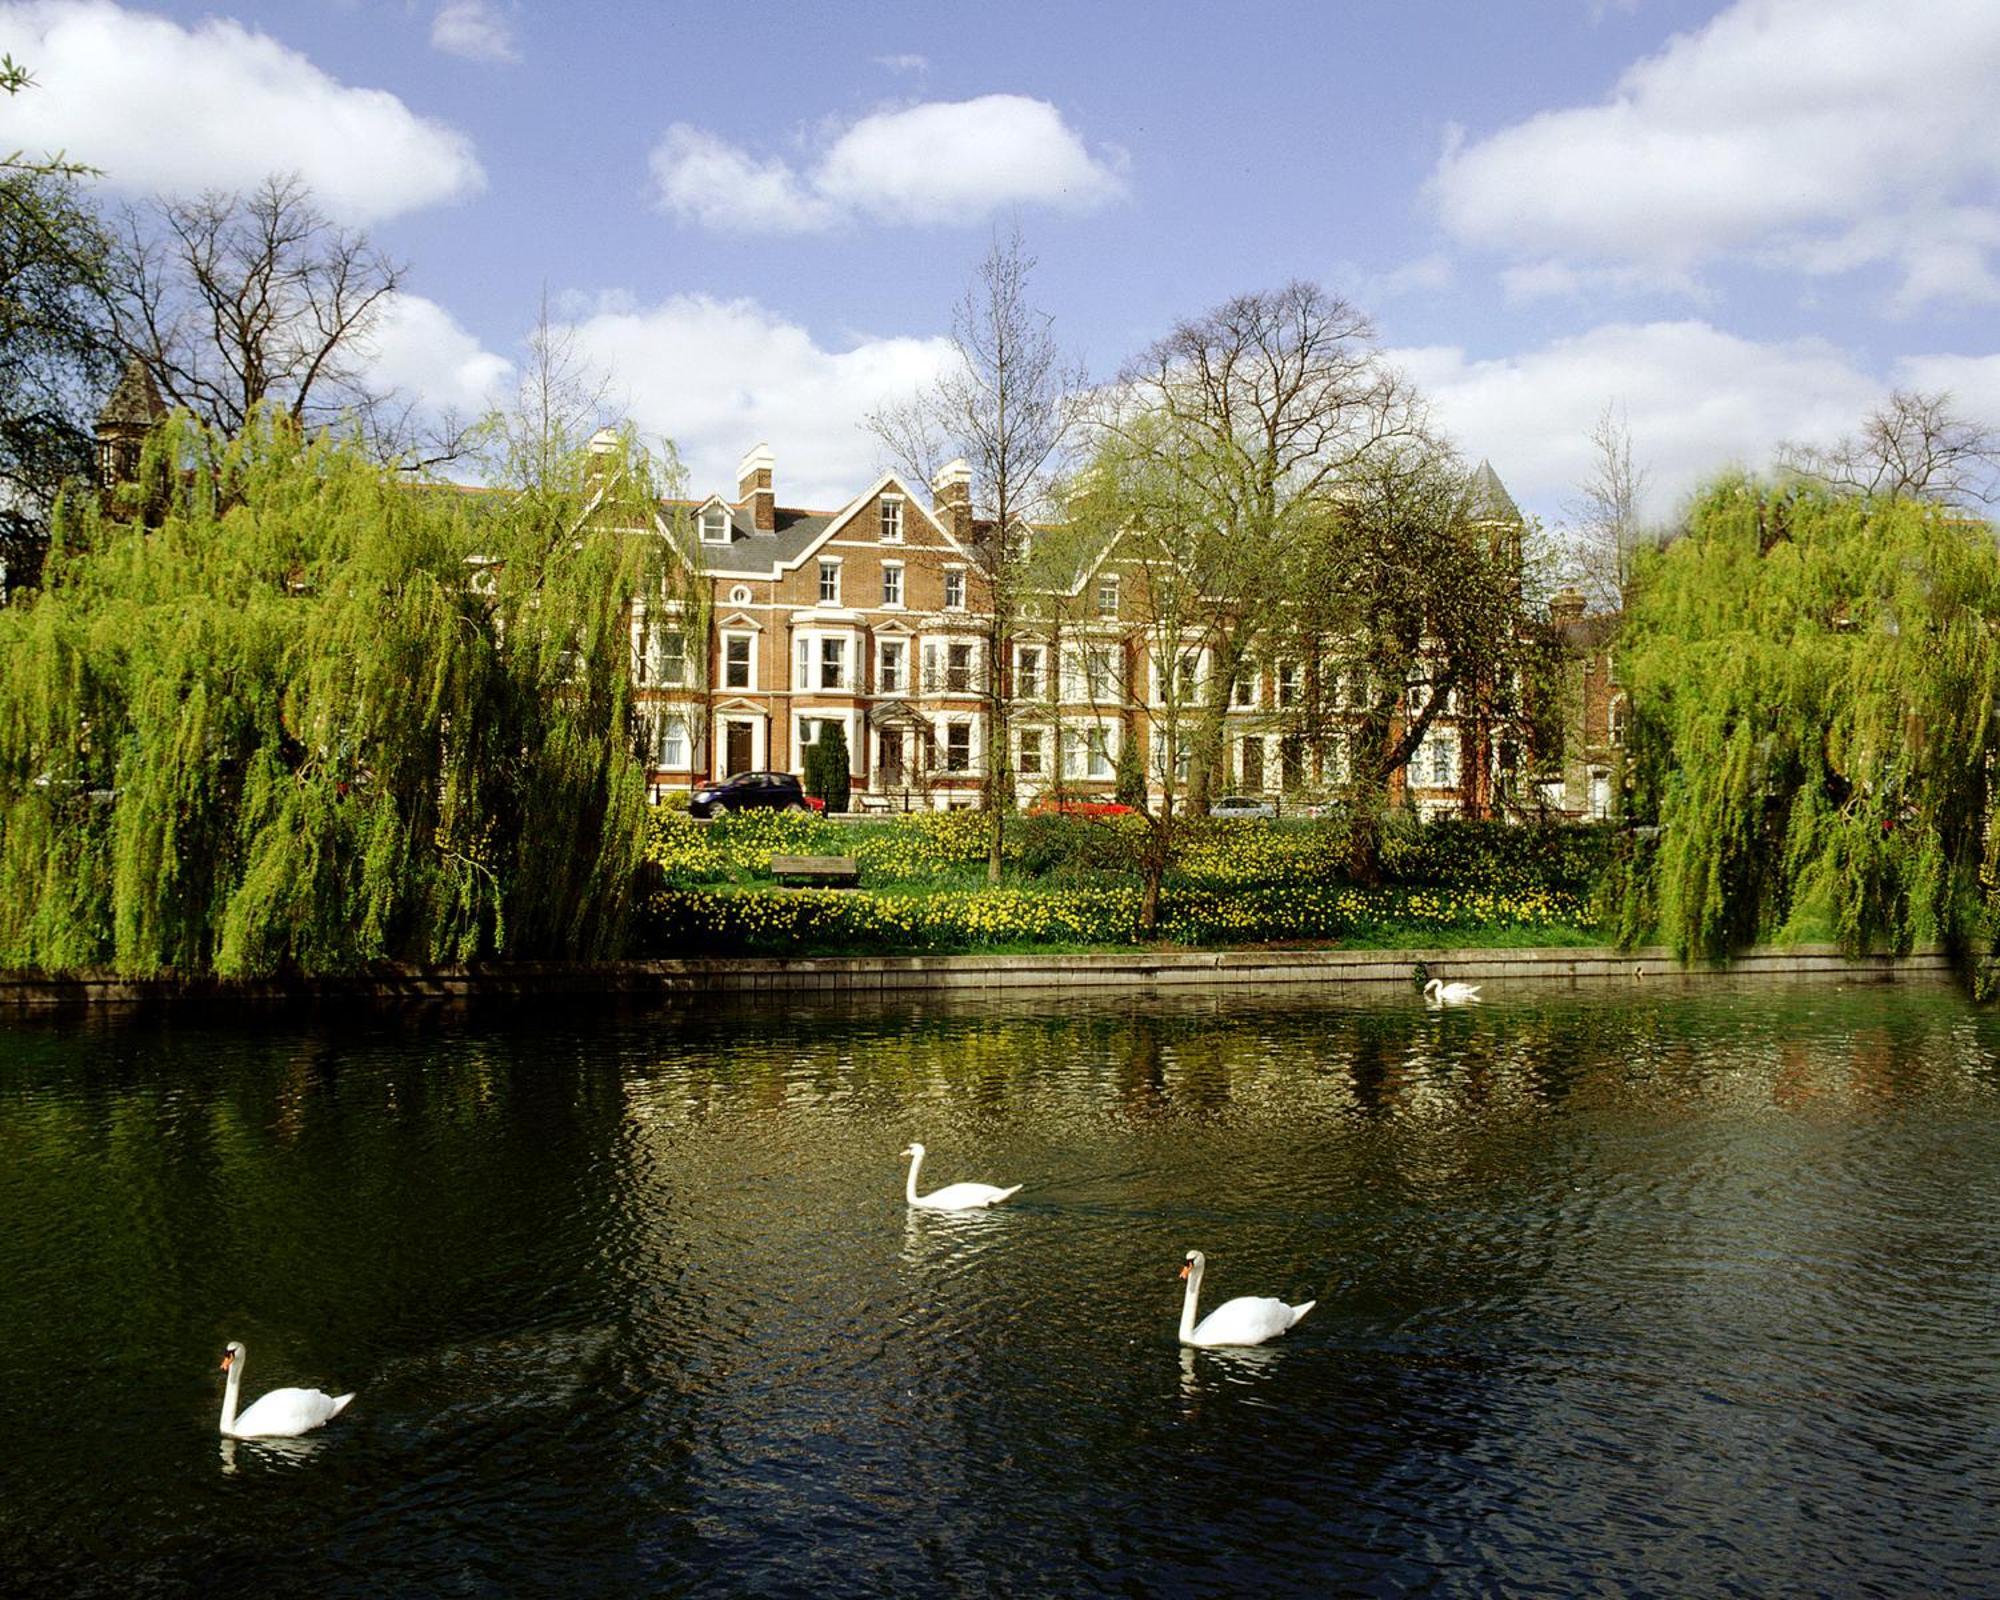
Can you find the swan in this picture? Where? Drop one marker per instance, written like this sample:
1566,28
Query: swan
1440,993
281,1414
953,1196
1248,1319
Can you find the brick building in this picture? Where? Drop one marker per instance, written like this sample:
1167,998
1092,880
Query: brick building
874,616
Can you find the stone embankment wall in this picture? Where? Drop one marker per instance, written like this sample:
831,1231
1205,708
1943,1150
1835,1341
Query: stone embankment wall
1336,969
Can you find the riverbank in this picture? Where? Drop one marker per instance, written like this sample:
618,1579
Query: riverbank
1138,970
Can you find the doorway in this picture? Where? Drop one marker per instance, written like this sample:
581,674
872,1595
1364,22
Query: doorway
738,740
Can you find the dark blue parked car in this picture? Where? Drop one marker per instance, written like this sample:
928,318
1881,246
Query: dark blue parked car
753,791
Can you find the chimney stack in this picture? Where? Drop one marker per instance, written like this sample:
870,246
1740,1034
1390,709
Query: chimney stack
1567,605
951,499
756,488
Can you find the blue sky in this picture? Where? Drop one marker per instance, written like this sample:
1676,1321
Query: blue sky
1736,222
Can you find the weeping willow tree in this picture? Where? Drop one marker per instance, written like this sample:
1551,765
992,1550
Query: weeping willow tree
1812,685
278,710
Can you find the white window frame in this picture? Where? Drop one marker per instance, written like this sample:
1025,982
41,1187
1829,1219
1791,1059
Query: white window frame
1437,758
665,729
1029,684
965,726
809,660
882,683
1108,586
892,519
800,721
892,601
829,578
970,683
1040,747
651,662
714,525
1194,672
1245,694
1088,745
1290,685
749,641
954,588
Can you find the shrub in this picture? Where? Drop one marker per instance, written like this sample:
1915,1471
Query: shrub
698,922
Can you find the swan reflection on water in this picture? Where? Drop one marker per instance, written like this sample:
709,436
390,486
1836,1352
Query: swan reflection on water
935,1236
282,1454
1203,1371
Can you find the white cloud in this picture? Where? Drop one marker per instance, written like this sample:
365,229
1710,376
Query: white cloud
162,108
719,186
419,350
1811,135
905,63
1973,382
1698,401
938,163
718,376
474,29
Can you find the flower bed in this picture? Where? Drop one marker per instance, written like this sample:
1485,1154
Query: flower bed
699,922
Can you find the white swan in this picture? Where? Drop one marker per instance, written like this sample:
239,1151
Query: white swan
1248,1319
1440,993
281,1414
953,1196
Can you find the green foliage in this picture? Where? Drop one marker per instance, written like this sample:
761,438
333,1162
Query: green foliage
1131,782
832,769
1080,881
315,717
1812,682
55,353
699,922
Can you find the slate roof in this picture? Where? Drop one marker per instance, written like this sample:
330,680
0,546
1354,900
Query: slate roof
135,402
748,549
1490,500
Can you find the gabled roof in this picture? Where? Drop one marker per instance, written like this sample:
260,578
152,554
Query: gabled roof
752,552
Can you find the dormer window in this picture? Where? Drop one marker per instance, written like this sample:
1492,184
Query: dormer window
892,519
714,526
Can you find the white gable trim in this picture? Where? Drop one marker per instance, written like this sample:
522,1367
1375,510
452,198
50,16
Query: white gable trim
888,481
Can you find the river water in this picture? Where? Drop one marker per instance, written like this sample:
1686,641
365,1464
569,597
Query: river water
1631,1291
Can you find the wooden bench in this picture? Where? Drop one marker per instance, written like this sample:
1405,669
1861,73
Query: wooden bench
833,872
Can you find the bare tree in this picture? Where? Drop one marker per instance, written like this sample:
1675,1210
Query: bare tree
1914,445
1008,404
1260,409
236,301
1605,515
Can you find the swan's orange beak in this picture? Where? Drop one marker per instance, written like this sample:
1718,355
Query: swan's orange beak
230,1355
1184,1271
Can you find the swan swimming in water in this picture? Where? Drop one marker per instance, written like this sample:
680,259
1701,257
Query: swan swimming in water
1248,1319
1440,993
953,1196
281,1414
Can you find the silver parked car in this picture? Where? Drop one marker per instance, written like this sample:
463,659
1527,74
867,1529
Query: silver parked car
1244,807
